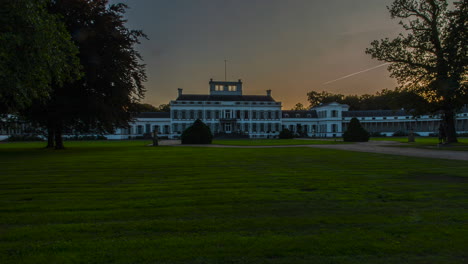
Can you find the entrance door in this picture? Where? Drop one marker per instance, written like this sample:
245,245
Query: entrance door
227,128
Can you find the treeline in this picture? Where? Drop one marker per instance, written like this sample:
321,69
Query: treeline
383,100
151,108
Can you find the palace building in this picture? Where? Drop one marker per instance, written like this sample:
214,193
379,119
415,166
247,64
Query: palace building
226,110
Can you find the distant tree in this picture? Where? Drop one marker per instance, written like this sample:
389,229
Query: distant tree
36,50
355,132
145,108
316,98
431,58
113,75
139,108
198,133
383,100
298,107
164,108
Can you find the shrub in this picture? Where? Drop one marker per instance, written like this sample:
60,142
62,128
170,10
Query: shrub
377,134
286,134
14,138
403,134
355,132
198,133
84,137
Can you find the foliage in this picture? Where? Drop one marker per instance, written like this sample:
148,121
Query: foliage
400,133
22,138
377,134
86,137
430,59
151,108
286,134
355,132
105,97
383,100
299,107
120,202
198,133
35,51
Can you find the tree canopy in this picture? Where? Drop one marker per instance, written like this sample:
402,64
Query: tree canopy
384,100
299,107
36,50
430,58
112,84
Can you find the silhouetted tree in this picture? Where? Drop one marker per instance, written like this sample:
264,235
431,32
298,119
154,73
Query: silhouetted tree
298,107
113,75
36,50
431,58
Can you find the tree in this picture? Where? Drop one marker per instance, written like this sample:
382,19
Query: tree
431,58
164,108
113,75
151,108
145,108
355,132
36,50
299,107
198,133
317,98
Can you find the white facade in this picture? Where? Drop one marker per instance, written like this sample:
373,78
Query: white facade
227,111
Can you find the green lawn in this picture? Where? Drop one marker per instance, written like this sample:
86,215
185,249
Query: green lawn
121,202
427,143
277,142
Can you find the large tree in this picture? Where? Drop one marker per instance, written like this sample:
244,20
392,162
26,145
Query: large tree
36,50
112,84
430,57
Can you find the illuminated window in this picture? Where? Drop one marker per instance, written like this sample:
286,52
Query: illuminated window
219,88
232,88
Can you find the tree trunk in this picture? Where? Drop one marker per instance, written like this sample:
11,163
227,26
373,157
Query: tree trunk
50,135
58,136
451,132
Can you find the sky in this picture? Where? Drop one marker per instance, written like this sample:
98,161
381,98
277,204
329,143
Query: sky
289,46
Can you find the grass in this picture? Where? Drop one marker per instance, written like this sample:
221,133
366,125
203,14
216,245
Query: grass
121,202
277,142
427,143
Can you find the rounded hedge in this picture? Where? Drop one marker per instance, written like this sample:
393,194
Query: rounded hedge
198,133
286,134
355,132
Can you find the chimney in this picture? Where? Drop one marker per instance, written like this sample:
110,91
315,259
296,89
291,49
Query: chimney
268,93
180,91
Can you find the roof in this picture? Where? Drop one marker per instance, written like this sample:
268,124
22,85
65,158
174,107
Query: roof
206,97
300,114
373,113
154,115
331,103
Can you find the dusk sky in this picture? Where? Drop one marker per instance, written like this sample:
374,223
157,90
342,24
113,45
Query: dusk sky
288,46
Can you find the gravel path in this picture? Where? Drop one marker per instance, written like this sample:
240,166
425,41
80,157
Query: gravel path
383,147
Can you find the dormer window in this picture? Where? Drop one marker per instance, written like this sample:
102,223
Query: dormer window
286,115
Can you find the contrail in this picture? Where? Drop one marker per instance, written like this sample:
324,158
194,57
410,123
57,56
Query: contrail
356,73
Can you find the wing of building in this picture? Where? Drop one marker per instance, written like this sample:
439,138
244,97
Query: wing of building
227,111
